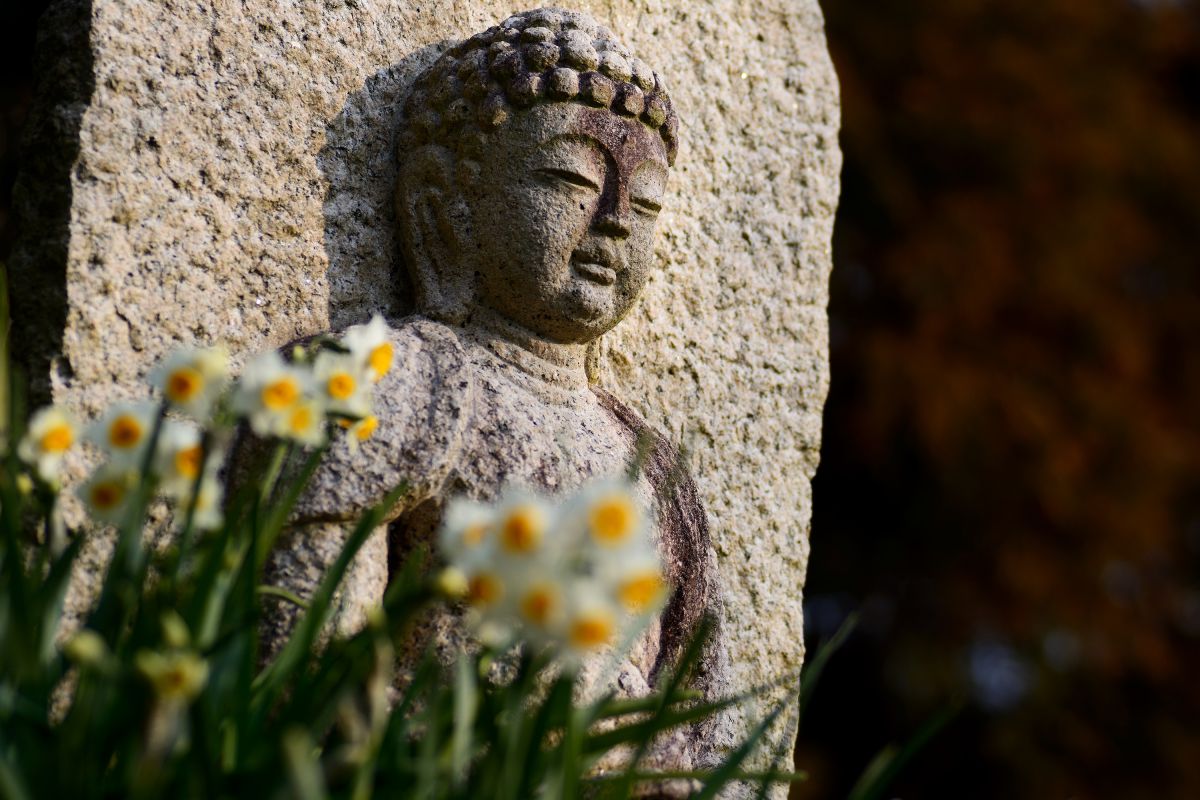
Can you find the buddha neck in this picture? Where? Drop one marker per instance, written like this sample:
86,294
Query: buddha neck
553,363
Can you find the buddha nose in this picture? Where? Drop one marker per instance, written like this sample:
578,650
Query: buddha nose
613,211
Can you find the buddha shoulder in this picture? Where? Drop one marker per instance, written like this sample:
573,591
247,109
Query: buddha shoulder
420,406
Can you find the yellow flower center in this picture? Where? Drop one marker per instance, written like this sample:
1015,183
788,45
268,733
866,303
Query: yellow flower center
172,682
640,593
613,519
591,631
183,385
483,589
174,677
107,495
538,604
474,534
280,394
301,420
125,431
340,386
188,461
522,531
57,439
380,359
366,427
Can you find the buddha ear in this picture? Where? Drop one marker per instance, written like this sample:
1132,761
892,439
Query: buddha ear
434,225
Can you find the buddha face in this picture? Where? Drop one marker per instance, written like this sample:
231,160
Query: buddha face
562,219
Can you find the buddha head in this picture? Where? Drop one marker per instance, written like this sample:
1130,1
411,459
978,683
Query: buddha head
533,163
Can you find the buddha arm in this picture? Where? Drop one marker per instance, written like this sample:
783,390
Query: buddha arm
421,406
299,565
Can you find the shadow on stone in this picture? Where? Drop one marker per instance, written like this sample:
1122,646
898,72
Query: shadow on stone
42,196
366,271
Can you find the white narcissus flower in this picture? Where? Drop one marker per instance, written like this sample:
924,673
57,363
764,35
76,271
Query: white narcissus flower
611,515
306,423
522,524
278,400
179,462
177,676
179,458
625,559
512,563
539,600
635,578
531,555
485,588
361,431
345,385
207,515
108,492
123,432
489,599
466,537
591,618
52,432
497,551
193,379
369,346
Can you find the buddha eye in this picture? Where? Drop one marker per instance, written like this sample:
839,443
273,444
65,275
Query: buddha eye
646,205
571,177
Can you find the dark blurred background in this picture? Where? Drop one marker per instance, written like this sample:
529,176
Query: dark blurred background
1009,492
18,22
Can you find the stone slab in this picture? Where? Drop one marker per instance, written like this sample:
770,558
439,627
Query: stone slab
220,170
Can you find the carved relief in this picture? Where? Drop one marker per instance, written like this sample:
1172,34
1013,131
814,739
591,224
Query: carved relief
533,163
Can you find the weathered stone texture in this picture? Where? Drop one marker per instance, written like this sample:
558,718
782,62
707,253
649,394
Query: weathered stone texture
233,181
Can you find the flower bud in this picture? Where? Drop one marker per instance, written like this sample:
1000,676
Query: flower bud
87,649
452,583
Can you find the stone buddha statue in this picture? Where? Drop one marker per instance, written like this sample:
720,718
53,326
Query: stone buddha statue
533,162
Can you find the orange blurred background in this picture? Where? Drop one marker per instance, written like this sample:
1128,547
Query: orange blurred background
1009,491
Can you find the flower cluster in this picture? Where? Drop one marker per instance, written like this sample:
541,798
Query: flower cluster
125,434
294,400
572,573
178,442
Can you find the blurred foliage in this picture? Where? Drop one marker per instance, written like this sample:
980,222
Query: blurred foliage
1010,479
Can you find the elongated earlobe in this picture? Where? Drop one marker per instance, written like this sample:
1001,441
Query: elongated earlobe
433,226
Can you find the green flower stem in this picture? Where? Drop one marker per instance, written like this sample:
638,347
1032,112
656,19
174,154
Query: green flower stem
282,594
279,456
184,542
128,568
